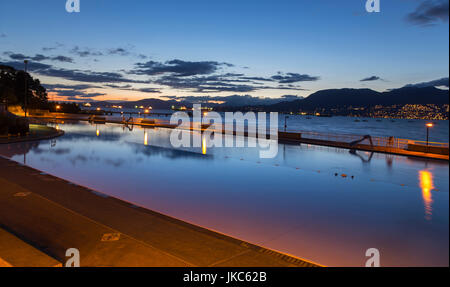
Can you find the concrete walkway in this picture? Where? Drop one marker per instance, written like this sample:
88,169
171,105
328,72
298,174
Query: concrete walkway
37,132
52,215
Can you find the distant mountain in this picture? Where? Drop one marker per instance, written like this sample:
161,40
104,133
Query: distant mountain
321,99
154,103
365,97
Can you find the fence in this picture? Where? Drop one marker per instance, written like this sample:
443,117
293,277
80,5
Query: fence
387,142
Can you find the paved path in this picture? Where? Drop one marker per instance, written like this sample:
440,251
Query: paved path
52,215
37,132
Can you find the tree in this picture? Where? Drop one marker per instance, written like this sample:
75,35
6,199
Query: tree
12,89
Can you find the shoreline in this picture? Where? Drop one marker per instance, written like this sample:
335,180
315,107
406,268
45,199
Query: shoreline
37,133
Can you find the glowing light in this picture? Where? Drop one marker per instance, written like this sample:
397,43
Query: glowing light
147,111
145,138
204,148
430,125
57,127
97,132
98,109
58,107
426,184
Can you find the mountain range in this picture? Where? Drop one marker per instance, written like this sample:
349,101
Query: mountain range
321,99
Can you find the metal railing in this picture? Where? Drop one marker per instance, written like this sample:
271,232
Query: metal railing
390,142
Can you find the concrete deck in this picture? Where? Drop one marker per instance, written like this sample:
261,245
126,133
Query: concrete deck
37,132
52,215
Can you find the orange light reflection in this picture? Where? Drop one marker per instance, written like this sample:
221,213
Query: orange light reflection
426,184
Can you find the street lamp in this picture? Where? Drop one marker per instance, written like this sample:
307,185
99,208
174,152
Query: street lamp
26,87
428,125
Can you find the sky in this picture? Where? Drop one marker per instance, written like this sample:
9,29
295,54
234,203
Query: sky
135,49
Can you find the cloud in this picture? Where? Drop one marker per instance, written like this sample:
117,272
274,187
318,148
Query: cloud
293,78
236,100
74,92
131,88
429,12
51,48
369,79
38,57
119,51
228,82
443,82
73,75
85,52
200,77
70,87
177,67
3,35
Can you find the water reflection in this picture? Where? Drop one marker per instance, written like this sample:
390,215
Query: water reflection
204,147
282,203
426,183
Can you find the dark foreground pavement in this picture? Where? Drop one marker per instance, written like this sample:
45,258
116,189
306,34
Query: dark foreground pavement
42,216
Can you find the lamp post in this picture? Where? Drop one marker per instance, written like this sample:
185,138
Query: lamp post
26,88
428,125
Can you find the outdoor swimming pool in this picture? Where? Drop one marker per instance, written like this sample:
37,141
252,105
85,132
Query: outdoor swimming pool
297,203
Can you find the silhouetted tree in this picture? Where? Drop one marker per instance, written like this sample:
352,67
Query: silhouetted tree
12,89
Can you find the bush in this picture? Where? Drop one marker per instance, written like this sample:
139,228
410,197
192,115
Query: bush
11,124
3,125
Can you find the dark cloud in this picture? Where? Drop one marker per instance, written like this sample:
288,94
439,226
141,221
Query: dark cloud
228,82
85,52
148,90
119,51
285,78
73,92
369,79
32,66
236,100
200,77
131,88
38,57
62,59
177,67
51,48
71,87
125,87
73,75
429,12
443,82
293,78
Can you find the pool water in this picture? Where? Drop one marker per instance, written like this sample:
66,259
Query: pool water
323,204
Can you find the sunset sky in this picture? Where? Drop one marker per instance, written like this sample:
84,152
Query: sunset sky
129,50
